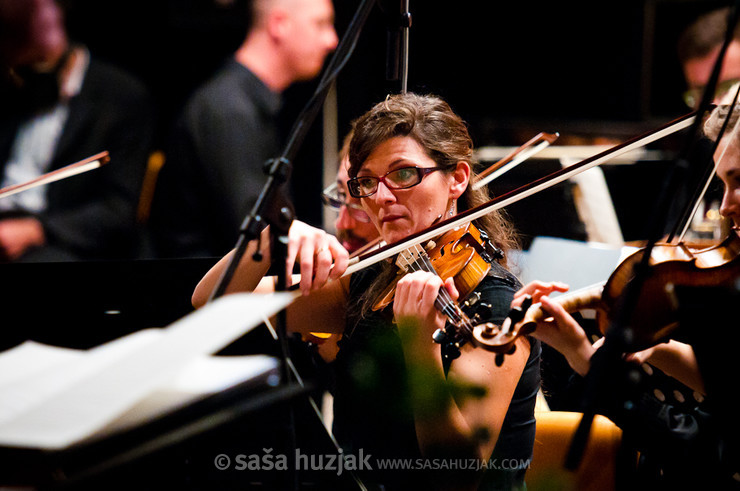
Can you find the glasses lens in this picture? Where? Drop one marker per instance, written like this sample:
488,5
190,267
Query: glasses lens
334,199
331,197
404,178
360,187
690,97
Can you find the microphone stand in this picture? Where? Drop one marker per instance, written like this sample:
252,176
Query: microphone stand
273,207
618,338
397,54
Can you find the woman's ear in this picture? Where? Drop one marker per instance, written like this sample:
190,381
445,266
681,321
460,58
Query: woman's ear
460,179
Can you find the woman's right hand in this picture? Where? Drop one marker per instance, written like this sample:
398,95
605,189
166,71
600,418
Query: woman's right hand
320,255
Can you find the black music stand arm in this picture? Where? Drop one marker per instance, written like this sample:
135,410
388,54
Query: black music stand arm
618,337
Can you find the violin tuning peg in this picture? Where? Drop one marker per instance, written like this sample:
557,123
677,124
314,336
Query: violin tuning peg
527,303
499,359
517,313
512,350
439,336
483,309
472,299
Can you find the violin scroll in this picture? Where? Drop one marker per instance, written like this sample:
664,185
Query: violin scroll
501,339
523,320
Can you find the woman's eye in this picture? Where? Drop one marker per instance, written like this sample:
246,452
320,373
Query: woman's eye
366,183
404,175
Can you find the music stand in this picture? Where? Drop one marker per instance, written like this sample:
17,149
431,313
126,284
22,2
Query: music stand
57,436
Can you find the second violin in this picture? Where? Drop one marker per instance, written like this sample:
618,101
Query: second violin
657,311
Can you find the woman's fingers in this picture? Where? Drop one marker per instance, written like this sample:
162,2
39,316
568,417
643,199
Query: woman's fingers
536,290
320,256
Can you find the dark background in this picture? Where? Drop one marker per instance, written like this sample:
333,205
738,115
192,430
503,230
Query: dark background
511,69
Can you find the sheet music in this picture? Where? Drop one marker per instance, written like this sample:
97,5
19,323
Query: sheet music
202,377
33,372
69,399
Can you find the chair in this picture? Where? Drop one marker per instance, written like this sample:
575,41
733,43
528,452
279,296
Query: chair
154,165
598,467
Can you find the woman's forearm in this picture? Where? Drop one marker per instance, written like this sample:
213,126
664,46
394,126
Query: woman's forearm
246,277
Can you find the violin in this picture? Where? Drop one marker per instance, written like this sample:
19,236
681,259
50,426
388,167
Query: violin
463,254
656,313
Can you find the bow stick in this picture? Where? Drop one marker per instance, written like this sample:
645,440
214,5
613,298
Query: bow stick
85,165
516,157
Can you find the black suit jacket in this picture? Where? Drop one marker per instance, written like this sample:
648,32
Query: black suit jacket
93,215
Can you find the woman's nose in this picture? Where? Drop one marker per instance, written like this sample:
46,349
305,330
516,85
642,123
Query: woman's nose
730,206
344,219
383,193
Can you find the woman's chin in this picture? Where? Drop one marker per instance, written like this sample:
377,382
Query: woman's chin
393,233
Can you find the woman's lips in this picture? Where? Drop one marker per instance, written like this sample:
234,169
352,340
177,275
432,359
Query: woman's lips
389,218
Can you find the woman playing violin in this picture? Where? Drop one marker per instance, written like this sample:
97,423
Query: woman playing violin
682,443
562,332
411,165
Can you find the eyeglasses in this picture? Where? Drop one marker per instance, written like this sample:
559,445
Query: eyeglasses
335,199
403,178
692,96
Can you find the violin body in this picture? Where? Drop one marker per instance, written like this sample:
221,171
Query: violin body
460,254
656,312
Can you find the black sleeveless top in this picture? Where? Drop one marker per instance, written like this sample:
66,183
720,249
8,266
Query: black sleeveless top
372,409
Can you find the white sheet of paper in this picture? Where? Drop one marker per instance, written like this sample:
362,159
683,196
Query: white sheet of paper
202,377
42,371
124,377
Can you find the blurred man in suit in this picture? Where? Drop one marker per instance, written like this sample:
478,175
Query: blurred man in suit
61,105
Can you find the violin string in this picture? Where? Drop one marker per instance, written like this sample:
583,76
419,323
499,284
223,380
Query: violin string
443,295
449,307
421,262
459,317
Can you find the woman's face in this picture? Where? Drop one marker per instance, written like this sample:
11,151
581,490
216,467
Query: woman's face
728,170
398,213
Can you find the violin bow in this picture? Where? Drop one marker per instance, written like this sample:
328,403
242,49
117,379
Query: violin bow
369,258
85,165
515,157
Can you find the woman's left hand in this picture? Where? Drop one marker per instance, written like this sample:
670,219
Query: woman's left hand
414,300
